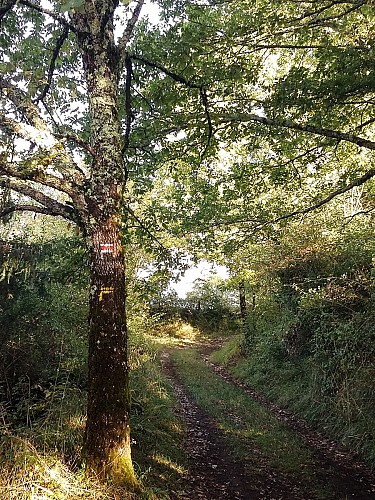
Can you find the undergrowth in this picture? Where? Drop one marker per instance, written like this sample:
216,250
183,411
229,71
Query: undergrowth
43,383
40,455
157,433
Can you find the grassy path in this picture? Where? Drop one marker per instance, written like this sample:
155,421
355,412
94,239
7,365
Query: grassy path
213,472
239,449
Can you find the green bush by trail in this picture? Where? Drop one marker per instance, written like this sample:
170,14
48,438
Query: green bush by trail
43,352
311,345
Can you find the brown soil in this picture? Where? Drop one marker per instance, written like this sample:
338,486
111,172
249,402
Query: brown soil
214,473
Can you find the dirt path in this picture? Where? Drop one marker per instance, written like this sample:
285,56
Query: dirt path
214,473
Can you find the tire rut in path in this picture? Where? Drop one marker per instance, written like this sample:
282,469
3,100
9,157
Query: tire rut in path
350,477
214,473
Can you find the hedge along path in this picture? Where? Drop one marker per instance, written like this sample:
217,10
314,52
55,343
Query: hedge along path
239,449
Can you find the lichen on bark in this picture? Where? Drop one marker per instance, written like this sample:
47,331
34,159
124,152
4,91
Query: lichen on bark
91,197
107,436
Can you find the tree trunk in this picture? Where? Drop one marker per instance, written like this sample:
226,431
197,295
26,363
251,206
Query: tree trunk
107,437
243,310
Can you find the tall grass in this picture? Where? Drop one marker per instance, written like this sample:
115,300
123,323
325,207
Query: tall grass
41,436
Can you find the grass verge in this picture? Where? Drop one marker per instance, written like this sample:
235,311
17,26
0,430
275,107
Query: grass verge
40,456
157,433
304,387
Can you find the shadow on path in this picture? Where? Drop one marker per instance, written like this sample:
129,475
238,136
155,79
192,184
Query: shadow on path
214,473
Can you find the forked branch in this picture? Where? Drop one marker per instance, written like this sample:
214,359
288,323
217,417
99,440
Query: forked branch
50,205
37,174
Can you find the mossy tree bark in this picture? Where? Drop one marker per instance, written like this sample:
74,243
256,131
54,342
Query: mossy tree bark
107,436
92,197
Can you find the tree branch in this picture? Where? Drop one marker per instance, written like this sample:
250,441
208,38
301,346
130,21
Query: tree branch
357,182
37,174
26,208
79,141
23,104
166,71
314,12
57,17
54,151
129,31
36,136
51,206
189,84
333,134
323,21
334,17
259,224
59,43
145,229
255,47
361,212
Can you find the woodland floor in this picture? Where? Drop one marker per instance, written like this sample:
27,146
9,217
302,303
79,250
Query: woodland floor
216,473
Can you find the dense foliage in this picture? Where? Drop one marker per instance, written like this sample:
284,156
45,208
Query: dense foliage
309,341
43,323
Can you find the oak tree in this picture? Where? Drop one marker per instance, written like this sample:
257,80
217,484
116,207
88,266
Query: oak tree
69,163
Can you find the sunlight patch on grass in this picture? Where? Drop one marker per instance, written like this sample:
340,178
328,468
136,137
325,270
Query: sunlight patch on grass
176,331
29,474
169,463
77,422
